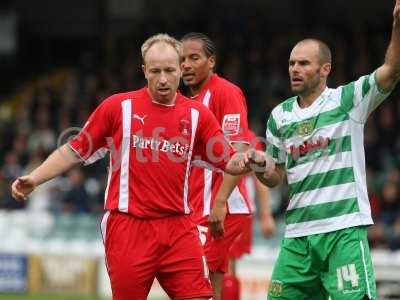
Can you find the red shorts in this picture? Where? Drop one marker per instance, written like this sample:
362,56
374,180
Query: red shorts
217,250
242,244
138,250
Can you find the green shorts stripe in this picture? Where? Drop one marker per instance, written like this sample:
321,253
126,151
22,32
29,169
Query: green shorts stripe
365,269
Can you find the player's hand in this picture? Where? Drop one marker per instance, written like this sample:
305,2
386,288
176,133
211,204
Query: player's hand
216,220
255,159
259,162
267,225
239,160
22,187
270,167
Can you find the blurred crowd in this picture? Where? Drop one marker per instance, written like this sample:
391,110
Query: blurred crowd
255,58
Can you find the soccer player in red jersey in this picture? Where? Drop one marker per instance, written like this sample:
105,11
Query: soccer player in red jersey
153,135
228,104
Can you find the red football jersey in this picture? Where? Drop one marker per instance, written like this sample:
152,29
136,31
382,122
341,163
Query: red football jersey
152,147
228,104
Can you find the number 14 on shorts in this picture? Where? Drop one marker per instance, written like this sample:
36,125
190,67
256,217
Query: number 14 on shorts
347,273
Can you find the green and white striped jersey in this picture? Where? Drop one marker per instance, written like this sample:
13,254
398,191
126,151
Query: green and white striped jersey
323,152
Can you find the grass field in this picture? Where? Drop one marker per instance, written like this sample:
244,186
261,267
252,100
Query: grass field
48,297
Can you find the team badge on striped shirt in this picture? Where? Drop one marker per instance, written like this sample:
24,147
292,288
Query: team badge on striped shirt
305,128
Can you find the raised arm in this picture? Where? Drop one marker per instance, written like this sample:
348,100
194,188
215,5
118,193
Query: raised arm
388,74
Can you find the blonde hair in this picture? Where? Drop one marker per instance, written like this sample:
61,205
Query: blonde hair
161,38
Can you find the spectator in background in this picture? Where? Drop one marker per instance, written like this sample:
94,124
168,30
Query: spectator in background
11,168
390,204
42,136
76,198
395,240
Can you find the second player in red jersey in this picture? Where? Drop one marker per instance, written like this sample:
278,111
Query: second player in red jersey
228,104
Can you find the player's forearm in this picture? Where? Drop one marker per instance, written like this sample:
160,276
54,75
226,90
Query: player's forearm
228,185
392,57
229,182
389,73
273,180
60,161
263,198
235,165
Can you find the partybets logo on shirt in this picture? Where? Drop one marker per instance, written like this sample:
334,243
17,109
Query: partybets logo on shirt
178,146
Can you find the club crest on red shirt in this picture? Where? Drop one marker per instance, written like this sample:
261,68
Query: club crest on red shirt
231,124
184,127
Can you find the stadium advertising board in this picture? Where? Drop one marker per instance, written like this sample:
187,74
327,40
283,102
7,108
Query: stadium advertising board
62,274
13,273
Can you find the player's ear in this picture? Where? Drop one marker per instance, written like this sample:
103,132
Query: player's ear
326,69
144,70
212,61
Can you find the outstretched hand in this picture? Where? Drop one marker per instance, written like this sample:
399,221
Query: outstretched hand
22,187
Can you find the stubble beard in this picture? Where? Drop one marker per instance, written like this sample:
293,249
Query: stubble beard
308,87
